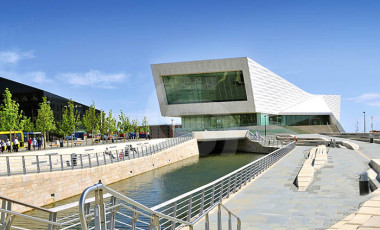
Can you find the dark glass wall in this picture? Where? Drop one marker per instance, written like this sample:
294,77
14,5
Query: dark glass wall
205,87
218,121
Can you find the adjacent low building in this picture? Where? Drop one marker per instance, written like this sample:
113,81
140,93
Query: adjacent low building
238,92
29,98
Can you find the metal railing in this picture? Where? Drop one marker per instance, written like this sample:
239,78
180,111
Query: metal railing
267,141
123,212
191,205
16,165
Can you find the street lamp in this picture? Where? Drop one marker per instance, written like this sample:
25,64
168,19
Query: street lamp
265,121
364,121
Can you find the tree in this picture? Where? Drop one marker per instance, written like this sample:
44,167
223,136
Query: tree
135,127
103,129
124,124
111,123
91,120
9,113
70,120
45,119
26,125
145,126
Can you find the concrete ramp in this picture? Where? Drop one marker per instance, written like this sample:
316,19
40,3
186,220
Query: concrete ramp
220,135
316,160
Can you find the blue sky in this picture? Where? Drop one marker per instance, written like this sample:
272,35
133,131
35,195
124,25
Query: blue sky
102,50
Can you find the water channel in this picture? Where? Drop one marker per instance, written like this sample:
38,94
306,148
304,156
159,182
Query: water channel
165,183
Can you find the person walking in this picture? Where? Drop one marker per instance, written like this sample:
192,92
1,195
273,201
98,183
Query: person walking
34,142
2,146
8,145
15,144
39,143
29,143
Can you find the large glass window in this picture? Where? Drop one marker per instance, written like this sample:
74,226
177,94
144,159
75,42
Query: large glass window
205,87
298,120
218,121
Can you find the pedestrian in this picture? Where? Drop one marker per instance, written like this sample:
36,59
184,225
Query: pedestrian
39,143
15,144
29,143
8,145
2,146
34,142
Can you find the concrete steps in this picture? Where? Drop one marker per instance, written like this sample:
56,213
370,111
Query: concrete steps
316,160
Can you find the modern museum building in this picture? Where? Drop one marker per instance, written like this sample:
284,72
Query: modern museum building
238,92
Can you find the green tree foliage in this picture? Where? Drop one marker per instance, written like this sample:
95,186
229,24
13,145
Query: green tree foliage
9,113
103,129
70,120
45,119
111,123
26,125
124,124
145,126
91,120
135,127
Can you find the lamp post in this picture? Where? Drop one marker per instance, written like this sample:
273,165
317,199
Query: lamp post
364,120
265,122
372,123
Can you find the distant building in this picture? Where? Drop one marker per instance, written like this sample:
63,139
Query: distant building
163,131
29,98
238,92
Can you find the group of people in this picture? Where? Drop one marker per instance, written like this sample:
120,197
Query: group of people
36,143
9,145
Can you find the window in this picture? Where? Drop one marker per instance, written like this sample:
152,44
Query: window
206,87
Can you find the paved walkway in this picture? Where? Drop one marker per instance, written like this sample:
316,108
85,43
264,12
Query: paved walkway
273,202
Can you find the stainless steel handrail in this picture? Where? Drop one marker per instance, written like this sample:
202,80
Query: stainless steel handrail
25,164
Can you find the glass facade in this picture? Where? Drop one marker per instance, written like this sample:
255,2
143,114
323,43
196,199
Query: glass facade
218,121
298,120
212,122
205,87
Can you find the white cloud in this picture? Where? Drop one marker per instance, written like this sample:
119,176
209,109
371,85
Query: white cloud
39,77
13,57
93,78
365,97
374,103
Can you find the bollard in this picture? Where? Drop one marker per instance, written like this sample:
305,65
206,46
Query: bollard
371,138
364,184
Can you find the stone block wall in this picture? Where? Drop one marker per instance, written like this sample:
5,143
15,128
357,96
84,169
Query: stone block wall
37,188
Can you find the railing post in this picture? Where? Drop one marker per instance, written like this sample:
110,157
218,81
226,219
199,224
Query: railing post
89,160
104,158
174,215
23,165
202,202
212,195
81,161
52,218
207,222
229,221
134,218
61,162
221,191
219,218
50,164
189,209
38,164
229,186
97,158
8,166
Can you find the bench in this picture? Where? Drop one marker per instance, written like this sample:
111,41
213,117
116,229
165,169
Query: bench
77,143
55,145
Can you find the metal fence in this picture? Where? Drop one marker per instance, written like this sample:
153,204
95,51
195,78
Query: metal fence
267,141
191,205
16,165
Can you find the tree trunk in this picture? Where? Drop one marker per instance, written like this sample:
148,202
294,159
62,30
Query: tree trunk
10,139
72,141
92,136
45,140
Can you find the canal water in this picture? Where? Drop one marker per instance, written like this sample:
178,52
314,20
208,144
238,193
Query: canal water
162,184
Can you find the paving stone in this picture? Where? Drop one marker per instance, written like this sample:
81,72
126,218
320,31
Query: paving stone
374,221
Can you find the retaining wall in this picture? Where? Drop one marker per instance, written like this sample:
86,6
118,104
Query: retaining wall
37,189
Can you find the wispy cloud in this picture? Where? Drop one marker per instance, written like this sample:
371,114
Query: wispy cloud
93,78
365,97
13,57
39,77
